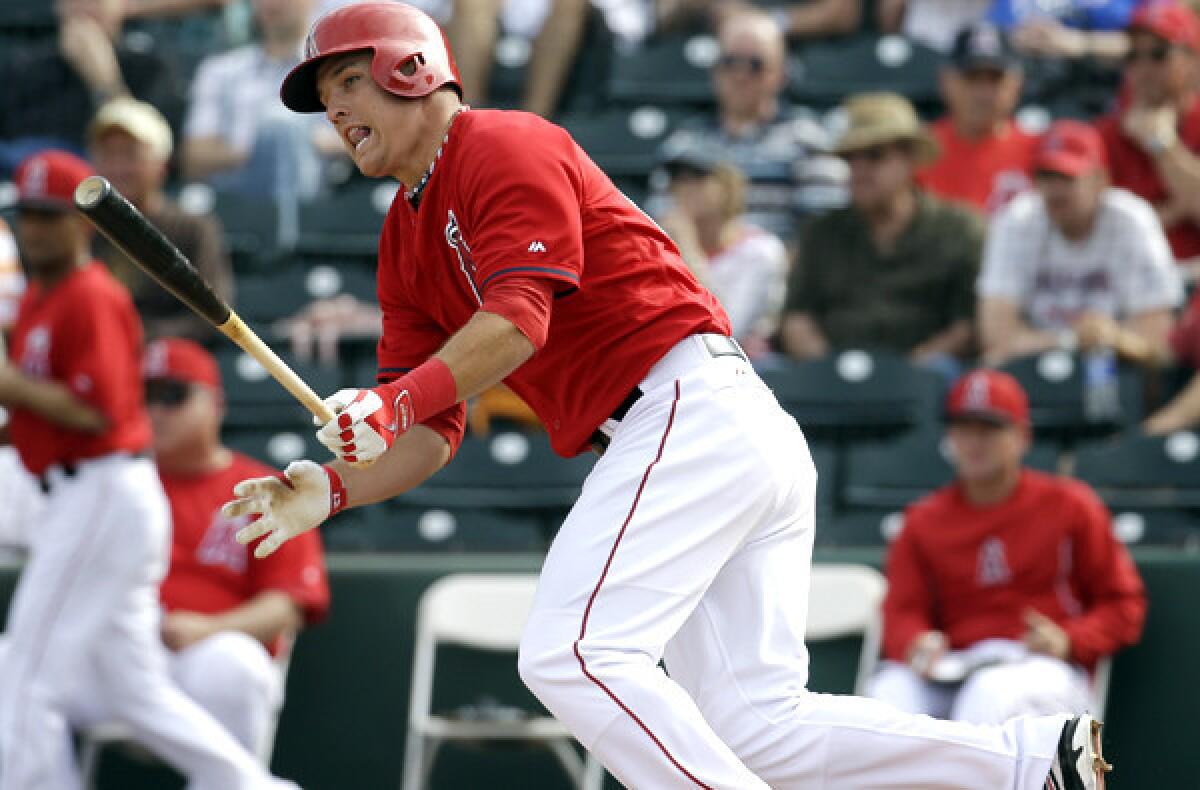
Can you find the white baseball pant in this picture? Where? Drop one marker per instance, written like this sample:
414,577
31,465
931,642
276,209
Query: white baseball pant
1031,685
87,602
691,542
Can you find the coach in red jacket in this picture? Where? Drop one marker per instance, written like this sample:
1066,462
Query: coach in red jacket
1005,587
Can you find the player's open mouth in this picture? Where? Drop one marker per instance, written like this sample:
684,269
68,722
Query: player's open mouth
357,135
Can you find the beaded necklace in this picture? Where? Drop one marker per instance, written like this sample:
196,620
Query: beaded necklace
414,195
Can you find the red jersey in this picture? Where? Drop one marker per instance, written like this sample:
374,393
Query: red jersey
211,572
985,173
84,334
971,572
1132,168
513,196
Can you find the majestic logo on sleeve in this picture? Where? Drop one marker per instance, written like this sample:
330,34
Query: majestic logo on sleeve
992,569
537,246
454,238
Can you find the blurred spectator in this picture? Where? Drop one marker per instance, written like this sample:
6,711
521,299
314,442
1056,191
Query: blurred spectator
896,269
238,135
12,281
800,20
985,157
934,23
1182,411
20,497
1007,586
744,266
130,145
1068,29
1153,137
780,148
227,613
1076,262
50,90
142,9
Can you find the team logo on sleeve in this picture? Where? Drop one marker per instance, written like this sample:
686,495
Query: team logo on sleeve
537,246
35,356
462,250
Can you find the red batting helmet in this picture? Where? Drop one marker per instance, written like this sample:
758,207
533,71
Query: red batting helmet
395,33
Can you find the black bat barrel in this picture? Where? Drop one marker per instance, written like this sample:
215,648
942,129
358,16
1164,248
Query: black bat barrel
126,227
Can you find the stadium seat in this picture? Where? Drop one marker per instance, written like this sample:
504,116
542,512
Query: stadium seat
1143,472
826,72
895,474
250,224
345,224
390,527
856,394
623,142
844,601
1054,382
278,447
870,527
825,458
27,15
672,69
1151,527
265,298
478,612
255,400
508,470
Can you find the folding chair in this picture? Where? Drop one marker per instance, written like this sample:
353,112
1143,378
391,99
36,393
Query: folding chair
844,600
484,612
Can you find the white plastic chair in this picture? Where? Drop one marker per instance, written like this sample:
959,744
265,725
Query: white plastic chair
481,612
94,739
845,600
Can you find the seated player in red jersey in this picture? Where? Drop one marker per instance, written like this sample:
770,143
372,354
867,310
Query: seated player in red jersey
1005,587
226,615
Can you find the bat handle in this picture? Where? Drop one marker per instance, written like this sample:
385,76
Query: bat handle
237,331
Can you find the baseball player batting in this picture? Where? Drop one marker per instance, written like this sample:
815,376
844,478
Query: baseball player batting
510,256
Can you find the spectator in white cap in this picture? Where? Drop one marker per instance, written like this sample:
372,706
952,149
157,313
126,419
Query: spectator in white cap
130,144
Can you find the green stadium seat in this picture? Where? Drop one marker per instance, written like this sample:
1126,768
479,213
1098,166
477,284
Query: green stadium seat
867,527
623,142
892,475
277,447
347,223
672,69
826,72
855,394
389,527
1150,527
1054,382
1143,472
27,15
506,470
250,225
825,458
255,400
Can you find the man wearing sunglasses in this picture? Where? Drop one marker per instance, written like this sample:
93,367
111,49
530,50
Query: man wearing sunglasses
1153,137
780,148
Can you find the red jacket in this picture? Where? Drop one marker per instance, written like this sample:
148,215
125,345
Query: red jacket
971,571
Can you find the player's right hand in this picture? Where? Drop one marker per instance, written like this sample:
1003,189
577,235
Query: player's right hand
297,500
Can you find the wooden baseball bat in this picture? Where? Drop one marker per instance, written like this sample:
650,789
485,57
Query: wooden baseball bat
126,227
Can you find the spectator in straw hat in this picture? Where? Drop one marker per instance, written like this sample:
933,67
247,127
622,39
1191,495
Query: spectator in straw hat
895,269
130,144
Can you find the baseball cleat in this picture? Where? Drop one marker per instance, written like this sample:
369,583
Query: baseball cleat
1078,764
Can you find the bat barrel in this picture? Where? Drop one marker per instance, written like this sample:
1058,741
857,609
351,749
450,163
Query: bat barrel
128,229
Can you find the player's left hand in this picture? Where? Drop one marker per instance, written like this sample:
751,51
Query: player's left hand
365,425
183,629
305,495
1043,635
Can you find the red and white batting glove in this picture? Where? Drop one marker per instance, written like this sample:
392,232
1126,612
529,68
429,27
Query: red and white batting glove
294,501
368,421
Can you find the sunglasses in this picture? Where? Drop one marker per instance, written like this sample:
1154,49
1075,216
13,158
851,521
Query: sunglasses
167,392
755,64
1156,54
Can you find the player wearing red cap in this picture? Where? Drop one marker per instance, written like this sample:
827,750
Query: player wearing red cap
1005,587
86,604
509,256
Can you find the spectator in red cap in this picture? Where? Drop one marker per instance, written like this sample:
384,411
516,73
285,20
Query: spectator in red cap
227,614
1006,586
1077,263
1153,138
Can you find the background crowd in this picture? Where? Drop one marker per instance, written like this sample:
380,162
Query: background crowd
950,185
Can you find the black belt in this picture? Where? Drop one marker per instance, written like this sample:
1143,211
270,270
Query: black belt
717,345
71,468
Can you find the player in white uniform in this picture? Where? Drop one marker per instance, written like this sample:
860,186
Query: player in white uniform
692,539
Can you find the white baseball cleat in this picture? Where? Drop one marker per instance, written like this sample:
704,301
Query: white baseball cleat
1078,765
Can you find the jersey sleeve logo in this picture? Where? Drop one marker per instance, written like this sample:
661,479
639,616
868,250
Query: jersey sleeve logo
537,246
462,250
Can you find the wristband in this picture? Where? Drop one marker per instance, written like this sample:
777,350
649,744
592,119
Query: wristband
337,491
426,391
